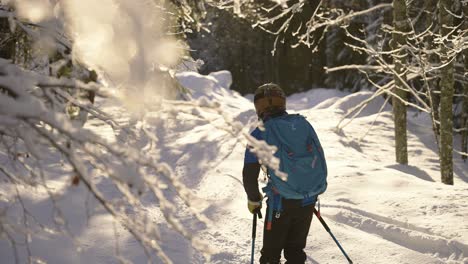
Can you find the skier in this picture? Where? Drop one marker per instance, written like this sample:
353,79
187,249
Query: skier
289,213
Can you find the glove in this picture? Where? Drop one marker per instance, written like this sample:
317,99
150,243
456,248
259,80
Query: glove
255,206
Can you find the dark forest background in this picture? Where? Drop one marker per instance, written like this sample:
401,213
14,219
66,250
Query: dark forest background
249,53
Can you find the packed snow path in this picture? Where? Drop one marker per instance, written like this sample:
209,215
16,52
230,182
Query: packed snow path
381,212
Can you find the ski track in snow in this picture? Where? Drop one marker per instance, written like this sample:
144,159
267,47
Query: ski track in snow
404,234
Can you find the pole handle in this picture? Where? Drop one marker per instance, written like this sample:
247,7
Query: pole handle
254,226
254,231
259,213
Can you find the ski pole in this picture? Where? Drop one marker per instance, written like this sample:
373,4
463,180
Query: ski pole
254,232
331,234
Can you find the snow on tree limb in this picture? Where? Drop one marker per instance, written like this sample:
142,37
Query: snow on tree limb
35,127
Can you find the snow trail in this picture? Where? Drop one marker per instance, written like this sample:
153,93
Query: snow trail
380,212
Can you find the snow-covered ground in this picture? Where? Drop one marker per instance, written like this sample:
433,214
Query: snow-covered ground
380,211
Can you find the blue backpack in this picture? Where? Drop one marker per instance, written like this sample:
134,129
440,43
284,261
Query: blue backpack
301,157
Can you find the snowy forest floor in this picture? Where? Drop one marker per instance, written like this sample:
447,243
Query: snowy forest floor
380,211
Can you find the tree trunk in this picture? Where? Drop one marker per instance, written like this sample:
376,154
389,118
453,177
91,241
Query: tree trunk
400,24
446,96
8,45
433,85
464,134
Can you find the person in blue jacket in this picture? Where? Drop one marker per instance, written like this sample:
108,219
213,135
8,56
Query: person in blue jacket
289,229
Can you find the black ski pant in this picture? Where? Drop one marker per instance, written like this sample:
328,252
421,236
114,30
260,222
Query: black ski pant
288,232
